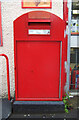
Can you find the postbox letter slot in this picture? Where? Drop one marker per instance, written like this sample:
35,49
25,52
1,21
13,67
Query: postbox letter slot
39,24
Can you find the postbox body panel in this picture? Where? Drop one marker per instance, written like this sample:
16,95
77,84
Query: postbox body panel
39,50
38,69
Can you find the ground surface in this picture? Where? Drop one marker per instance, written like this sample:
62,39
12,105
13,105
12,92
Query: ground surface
72,115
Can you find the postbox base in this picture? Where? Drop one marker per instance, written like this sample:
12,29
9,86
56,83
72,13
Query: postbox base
37,107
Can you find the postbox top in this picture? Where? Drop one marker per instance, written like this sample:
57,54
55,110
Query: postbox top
44,24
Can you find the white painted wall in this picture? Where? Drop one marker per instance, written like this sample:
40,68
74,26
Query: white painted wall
11,9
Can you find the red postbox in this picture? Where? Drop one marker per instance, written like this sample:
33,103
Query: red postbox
40,51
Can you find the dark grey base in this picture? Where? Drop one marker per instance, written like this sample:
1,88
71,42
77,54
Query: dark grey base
72,115
36,107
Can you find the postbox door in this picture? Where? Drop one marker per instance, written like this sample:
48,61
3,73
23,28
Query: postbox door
38,66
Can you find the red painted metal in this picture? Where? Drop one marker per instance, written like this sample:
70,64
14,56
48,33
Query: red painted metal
37,99
35,67
65,10
39,7
39,20
8,78
38,59
0,27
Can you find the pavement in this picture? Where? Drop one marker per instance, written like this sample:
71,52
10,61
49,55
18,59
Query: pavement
0,109
5,108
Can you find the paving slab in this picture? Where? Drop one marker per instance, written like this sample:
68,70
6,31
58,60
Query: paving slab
5,108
